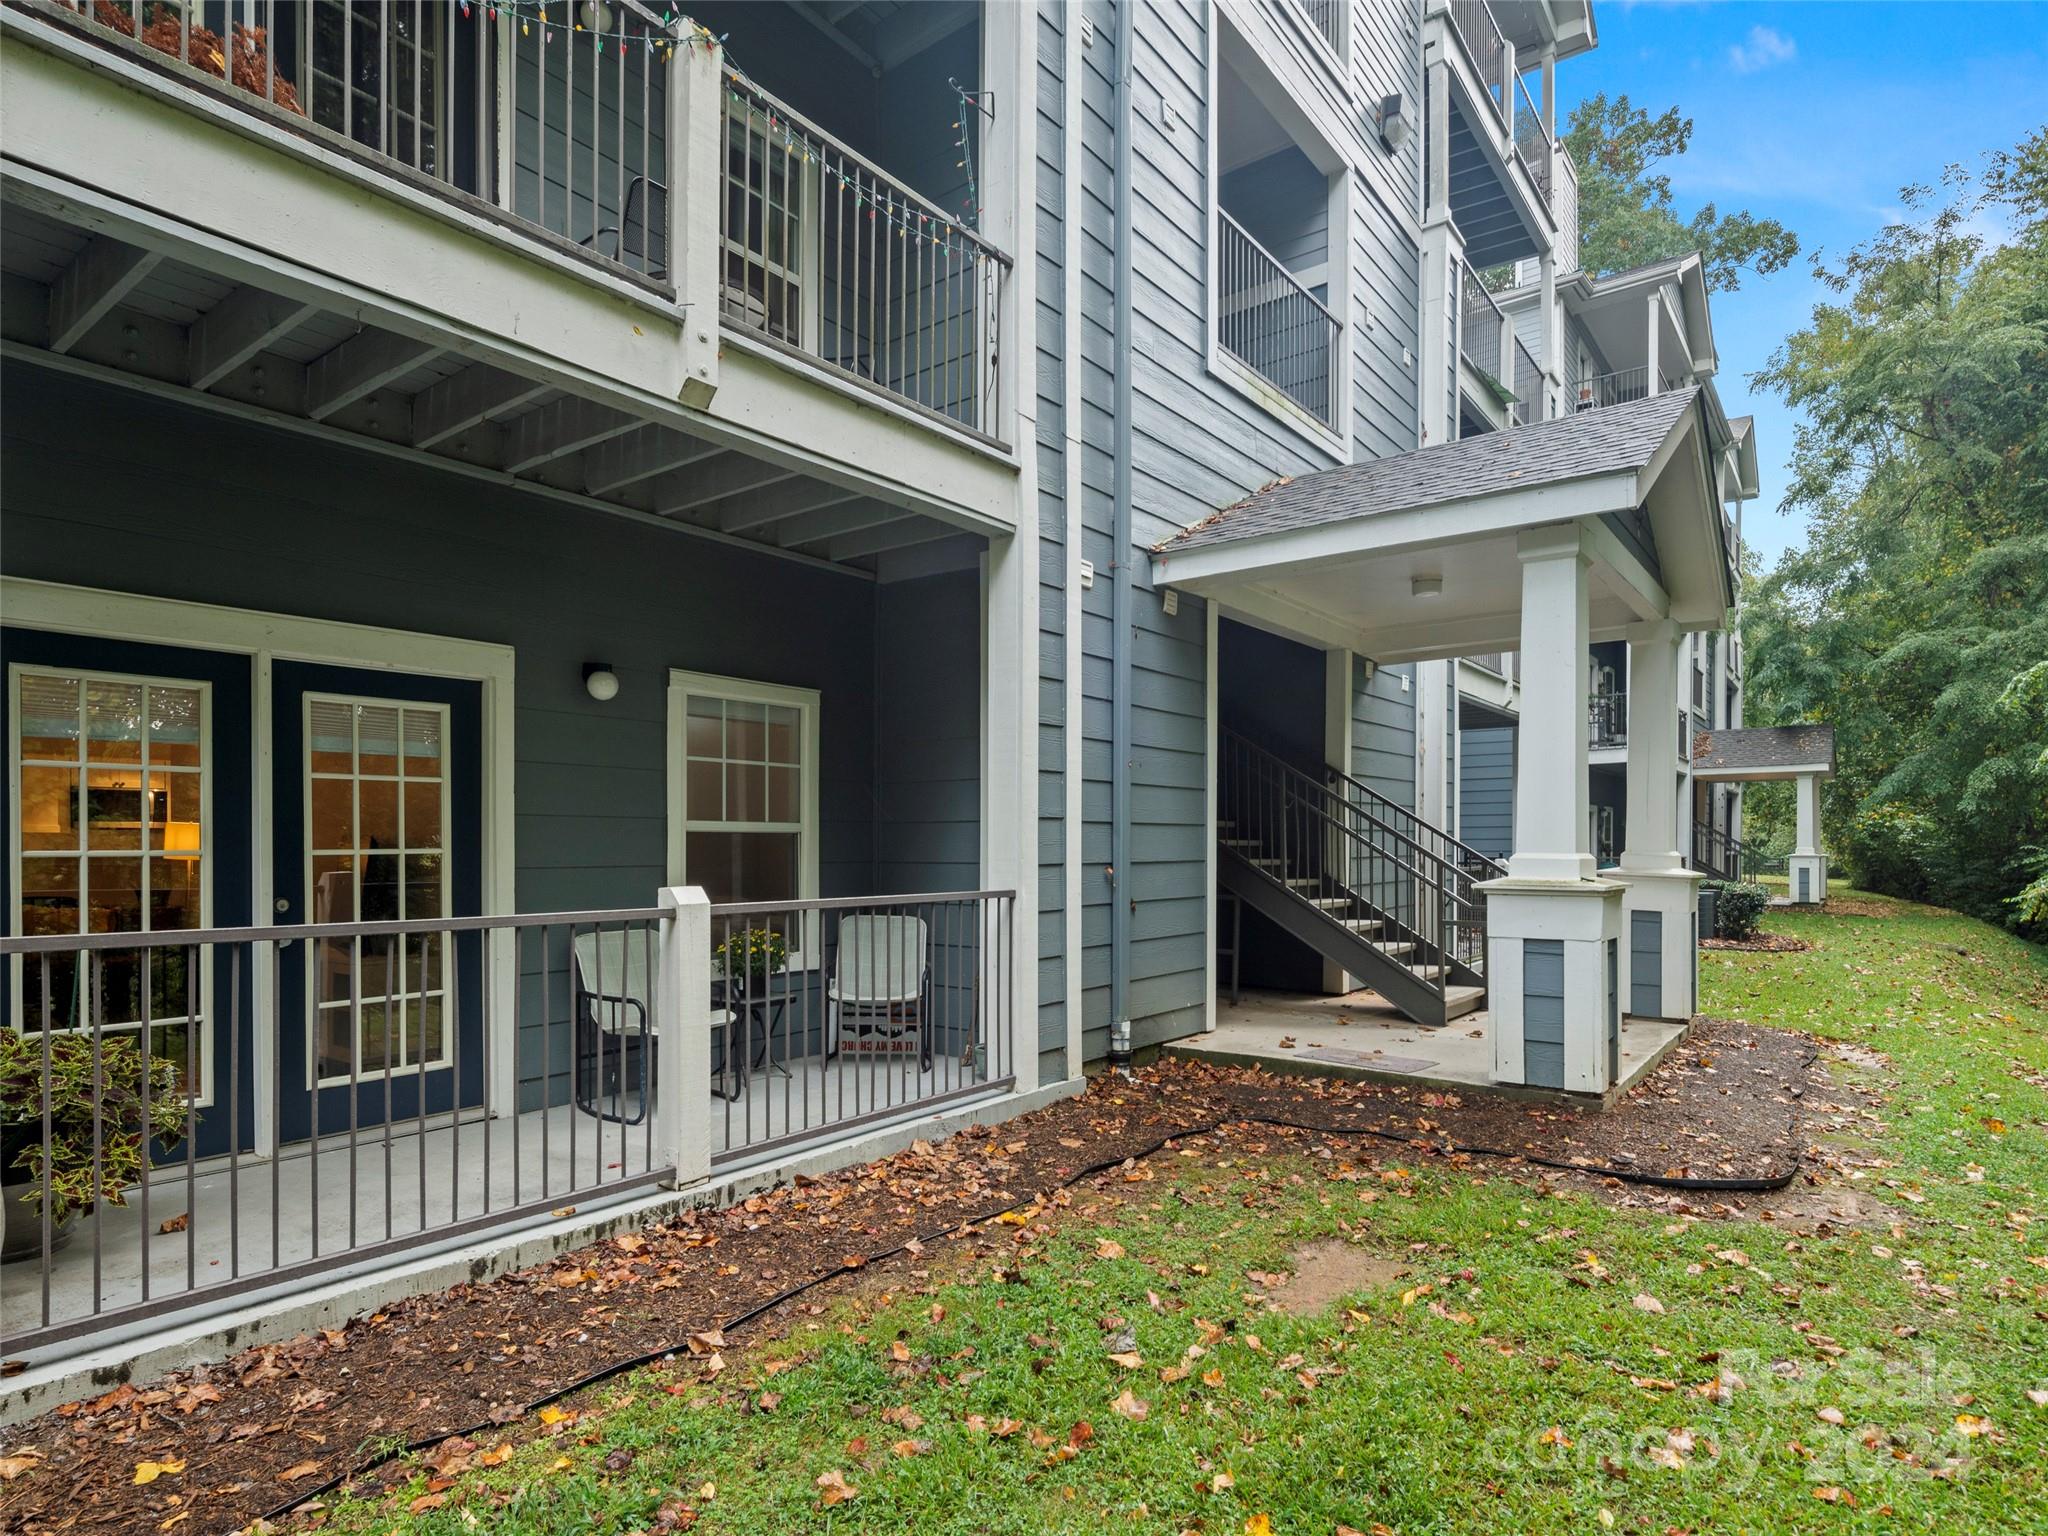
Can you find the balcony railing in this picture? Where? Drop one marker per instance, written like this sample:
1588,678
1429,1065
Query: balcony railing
1528,407
1324,16
1273,325
1532,139
560,129
822,252
1723,857
1608,719
1590,392
226,1110
1486,44
1480,339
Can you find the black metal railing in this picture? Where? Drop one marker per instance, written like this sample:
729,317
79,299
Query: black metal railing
1368,863
1325,17
1488,48
1608,717
1528,406
1483,323
1273,325
1532,139
831,1015
1723,857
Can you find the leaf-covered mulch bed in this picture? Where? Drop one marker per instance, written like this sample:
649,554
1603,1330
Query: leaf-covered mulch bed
1761,944
214,1447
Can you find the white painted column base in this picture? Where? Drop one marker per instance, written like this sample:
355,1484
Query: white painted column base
1660,977
1813,867
1553,980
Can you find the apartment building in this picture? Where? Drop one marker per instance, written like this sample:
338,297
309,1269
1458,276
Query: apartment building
598,601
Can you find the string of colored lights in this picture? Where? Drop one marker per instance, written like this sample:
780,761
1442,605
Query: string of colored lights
952,235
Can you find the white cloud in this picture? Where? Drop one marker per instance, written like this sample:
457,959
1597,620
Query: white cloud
1764,47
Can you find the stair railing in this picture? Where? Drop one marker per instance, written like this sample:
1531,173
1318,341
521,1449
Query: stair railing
1365,857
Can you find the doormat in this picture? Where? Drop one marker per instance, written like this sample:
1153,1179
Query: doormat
1337,1057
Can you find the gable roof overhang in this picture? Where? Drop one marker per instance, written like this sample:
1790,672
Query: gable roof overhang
1350,556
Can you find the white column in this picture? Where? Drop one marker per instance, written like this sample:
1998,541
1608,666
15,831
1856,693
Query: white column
1809,814
682,1026
1552,333
1808,867
1652,831
1551,781
1443,255
696,136
1435,701
1650,374
1437,141
1337,664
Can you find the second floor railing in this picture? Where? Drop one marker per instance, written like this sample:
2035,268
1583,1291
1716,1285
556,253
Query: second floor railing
1273,325
1608,718
824,253
1591,391
1532,138
1528,384
1483,40
1325,17
1480,339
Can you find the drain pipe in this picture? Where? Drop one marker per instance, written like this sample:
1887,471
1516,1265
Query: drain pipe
1122,888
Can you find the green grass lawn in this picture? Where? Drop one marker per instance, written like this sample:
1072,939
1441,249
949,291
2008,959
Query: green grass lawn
1522,1359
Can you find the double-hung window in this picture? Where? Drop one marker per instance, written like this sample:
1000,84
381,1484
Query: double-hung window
744,788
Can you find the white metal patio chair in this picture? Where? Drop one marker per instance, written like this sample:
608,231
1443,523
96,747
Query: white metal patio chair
877,995
614,1027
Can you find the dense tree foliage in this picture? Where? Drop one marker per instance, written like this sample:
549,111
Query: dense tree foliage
1915,616
1626,214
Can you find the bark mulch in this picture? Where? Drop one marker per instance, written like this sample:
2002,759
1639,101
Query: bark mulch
236,1439
1761,944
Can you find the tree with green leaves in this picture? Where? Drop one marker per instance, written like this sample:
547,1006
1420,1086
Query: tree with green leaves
1627,217
1915,616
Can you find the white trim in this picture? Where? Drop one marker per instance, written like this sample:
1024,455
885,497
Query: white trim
269,637
1071,412
1210,628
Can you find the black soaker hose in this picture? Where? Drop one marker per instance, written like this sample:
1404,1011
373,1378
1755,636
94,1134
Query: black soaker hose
741,1319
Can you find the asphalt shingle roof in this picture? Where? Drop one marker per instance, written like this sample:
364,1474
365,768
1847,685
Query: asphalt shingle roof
1764,747
1612,440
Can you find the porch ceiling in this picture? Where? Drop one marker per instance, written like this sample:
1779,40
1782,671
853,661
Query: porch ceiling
92,305
1489,215
1418,555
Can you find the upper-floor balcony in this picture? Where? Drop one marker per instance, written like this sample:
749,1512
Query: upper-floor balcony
595,199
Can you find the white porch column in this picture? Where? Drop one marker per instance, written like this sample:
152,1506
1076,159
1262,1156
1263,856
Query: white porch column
1660,960
1337,665
1553,343
696,136
1443,259
1650,372
1808,866
1553,965
682,1025
1436,701
1551,780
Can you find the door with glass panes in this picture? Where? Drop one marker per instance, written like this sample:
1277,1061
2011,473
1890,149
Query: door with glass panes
377,817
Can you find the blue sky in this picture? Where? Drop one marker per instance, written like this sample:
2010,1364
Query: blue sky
1814,114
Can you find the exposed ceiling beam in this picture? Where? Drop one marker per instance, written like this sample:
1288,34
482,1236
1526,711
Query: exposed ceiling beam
452,406
868,60
558,429
833,522
651,450
99,277
246,322
778,503
360,366
685,490
900,534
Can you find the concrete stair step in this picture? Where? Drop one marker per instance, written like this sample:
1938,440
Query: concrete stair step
1461,1000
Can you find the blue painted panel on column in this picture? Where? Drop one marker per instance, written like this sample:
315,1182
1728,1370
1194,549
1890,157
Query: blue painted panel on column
1613,1011
1646,963
1543,1012
1805,885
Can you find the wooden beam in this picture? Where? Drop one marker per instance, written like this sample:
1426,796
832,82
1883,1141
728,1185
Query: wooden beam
99,277
909,529
454,405
360,366
638,456
688,489
831,522
759,509
246,322
558,429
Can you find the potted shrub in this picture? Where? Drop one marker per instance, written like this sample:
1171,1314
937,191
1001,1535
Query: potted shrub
74,1183
747,959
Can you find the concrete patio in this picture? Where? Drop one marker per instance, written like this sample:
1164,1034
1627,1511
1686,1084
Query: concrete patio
1360,1035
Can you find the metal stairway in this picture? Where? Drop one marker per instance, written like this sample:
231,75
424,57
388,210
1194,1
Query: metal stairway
1361,880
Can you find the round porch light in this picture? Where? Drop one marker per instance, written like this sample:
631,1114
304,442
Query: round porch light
1425,586
600,681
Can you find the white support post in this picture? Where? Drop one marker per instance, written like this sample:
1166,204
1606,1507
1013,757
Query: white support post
1552,779
1337,664
696,150
1553,343
1808,867
1660,949
1650,369
682,1029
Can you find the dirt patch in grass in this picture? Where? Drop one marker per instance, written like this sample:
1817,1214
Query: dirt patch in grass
1821,1205
283,1419
1327,1271
1761,944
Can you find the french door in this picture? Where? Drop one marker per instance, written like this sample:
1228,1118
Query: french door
377,815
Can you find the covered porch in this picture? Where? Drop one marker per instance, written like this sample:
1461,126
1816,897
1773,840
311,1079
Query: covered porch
1542,540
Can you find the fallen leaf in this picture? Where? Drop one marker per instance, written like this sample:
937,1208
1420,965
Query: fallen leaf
1109,1248
427,1501
293,1474
1131,1407
1258,1525
835,1489
1973,1424
1645,1302
1129,1359
150,1471
177,1223
12,1467
496,1456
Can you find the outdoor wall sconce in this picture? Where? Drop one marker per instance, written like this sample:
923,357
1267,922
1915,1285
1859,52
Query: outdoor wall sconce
600,681
1393,122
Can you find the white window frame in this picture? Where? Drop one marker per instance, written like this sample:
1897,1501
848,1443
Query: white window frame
681,686
209,834
450,1016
